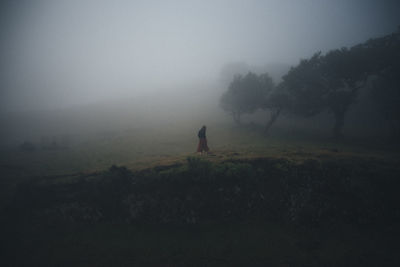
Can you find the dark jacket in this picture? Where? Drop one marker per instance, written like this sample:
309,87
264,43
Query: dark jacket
202,133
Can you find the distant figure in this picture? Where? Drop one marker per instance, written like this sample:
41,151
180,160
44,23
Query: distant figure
202,140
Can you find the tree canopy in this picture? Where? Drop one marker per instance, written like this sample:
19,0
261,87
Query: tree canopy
386,86
246,94
325,82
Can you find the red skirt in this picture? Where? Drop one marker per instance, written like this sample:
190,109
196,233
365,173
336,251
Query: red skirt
202,145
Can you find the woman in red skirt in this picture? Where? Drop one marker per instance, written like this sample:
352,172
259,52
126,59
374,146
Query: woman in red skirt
202,140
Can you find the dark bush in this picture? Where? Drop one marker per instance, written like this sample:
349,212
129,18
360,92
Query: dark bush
308,194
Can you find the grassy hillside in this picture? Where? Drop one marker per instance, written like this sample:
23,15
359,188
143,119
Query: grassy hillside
292,206
291,198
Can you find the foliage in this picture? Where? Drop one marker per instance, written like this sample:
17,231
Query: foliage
246,94
120,210
386,85
305,85
386,93
309,193
198,167
327,82
324,82
332,81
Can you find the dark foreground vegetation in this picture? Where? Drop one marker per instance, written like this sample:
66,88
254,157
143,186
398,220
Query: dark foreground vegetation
248,212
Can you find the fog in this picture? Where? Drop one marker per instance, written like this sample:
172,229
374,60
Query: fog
199,133
58,53
162,55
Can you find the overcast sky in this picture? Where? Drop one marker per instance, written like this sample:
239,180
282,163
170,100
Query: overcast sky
58,53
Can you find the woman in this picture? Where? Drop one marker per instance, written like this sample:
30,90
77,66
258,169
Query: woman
202,140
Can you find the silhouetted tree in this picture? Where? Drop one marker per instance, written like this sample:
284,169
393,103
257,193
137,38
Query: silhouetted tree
386,93
276,101
324,82
384,62
328,82
246,94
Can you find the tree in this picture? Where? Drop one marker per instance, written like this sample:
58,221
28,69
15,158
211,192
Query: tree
326,82
385,64
276,101
386,94
246,94
306,87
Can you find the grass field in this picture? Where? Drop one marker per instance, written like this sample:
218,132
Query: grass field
166,158
138,148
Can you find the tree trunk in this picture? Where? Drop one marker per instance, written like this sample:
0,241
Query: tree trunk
274,116
339,122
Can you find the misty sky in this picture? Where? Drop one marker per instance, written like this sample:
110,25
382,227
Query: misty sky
58,53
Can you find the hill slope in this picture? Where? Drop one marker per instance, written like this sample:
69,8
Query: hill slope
245,211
